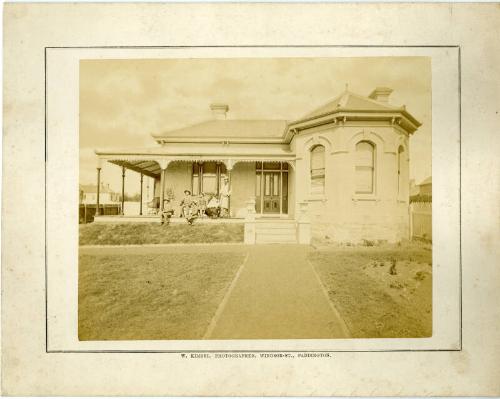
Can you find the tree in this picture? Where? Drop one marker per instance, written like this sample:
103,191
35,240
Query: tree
136,197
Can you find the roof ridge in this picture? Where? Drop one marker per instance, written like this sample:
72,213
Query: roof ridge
323,105
227,124
344,97
367,98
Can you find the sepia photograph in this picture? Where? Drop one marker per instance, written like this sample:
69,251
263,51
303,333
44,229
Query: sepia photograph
250,199
255,198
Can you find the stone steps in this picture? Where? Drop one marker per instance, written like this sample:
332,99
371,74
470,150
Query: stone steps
279,231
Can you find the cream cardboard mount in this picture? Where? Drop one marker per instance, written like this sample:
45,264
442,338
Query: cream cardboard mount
43,46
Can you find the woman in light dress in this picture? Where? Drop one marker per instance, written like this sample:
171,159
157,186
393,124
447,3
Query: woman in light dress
225,193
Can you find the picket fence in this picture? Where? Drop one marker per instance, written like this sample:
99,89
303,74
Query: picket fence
421,220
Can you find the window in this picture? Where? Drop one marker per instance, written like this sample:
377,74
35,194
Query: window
209,180
196,178
207,177
400,169
318,169
365,168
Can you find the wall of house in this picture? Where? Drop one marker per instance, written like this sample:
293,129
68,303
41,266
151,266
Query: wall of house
104,198
291,191
340,214
242,187
177,179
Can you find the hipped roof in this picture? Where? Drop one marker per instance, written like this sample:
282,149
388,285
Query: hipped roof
345,105
426,181
351,101
228,129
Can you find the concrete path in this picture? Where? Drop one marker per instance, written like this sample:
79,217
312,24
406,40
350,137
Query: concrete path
277,294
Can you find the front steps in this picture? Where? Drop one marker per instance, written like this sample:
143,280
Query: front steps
275,231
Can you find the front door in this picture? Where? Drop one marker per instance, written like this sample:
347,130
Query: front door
272,188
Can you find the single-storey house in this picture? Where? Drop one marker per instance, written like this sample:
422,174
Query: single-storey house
343,168
425,187
88,194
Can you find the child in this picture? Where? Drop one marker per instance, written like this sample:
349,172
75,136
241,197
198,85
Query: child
202,204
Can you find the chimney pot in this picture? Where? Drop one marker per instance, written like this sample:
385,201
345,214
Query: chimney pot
381,94
219,111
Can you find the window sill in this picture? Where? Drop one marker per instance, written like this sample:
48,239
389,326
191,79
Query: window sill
365,197
316,197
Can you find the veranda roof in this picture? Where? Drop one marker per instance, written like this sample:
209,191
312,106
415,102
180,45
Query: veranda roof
147,160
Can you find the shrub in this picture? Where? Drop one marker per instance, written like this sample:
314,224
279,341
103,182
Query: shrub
421,198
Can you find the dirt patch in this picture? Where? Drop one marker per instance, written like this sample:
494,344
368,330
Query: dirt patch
381,292
409,284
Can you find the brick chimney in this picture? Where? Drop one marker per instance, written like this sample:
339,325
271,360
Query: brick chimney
381,94
219,111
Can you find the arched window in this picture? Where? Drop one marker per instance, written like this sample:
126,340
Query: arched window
318,169
365,168
400,169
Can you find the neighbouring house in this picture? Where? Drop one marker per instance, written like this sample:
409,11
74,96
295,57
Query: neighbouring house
343,168
425,187
88,194
413,188
421,192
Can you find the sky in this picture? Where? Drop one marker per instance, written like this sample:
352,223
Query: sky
123,102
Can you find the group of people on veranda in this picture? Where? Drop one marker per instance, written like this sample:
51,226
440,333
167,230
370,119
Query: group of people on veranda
203,205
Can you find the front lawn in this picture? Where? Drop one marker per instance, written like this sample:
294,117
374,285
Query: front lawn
381,292
148,294
148,233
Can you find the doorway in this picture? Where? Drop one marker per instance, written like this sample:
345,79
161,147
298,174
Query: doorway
271,197
271,188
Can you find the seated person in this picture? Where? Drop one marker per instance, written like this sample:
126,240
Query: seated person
167,213
189,207
213,209
186,202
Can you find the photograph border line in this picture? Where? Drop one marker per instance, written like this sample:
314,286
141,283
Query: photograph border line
241,350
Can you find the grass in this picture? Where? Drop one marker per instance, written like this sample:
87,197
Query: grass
128,233
151,295
381,292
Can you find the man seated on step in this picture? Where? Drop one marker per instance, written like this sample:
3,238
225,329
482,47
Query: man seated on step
189,207
167,213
